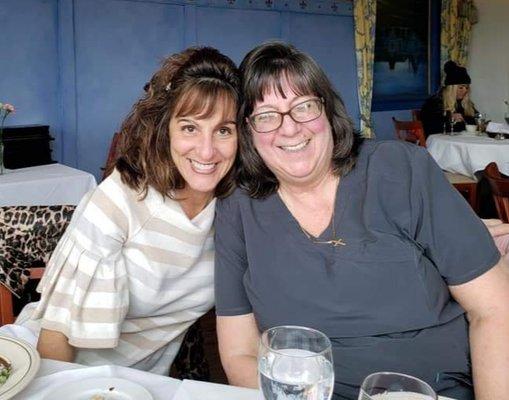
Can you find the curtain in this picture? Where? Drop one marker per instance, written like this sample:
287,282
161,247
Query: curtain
457,18
365,21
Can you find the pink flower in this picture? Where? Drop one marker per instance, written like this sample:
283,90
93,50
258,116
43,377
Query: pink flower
9,108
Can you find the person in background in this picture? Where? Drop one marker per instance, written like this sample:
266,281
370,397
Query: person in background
365,241
135,267
451,103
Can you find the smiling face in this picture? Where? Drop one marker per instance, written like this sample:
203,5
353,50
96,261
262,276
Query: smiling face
297,153
203,147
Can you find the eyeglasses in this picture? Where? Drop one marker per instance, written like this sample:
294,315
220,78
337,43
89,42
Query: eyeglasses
269,121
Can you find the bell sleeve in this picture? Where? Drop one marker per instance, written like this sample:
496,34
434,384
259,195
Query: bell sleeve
84,291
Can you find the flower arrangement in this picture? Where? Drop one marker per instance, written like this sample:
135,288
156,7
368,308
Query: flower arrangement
5,110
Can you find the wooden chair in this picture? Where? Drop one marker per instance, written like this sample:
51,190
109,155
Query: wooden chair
112,152
6,303
410,131
413,132
499,184
416,115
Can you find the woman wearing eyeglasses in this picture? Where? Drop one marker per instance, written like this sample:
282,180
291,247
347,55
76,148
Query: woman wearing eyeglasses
364,241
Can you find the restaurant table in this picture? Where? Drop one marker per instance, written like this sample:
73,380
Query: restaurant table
45,185
467,153
53,374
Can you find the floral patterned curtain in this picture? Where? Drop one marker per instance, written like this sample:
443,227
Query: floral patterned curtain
365,21
457,18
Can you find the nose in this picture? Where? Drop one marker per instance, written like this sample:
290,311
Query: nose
206,147
289,127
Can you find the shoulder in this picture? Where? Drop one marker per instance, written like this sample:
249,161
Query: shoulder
433,101
234,201
390,152
391,159
119,202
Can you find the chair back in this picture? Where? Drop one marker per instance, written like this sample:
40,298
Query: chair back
6,301
410,131
416,115
500,189
112,152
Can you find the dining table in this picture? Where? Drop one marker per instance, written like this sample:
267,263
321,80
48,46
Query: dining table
44,185
468,153
51,375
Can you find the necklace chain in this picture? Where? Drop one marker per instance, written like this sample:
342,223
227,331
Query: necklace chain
335,241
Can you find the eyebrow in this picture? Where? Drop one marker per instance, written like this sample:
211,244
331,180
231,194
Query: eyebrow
183,119
293,103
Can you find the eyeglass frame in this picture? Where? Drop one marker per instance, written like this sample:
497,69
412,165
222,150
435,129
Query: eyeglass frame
320,101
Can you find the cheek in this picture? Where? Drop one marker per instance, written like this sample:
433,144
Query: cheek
262,142
180,147
320,126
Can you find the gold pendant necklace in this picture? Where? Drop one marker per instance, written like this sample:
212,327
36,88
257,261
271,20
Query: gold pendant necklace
335,241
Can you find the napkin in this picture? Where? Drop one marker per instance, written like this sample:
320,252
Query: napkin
160,387
497,128
196,390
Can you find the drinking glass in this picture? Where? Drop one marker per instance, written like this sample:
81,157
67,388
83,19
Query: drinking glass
395,386
452,121
295,363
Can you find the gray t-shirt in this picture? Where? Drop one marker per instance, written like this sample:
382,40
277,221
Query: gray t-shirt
382,299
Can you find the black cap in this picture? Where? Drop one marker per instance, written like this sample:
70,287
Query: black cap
455,75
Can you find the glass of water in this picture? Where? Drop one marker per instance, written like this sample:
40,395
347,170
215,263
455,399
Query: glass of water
395,386
295,363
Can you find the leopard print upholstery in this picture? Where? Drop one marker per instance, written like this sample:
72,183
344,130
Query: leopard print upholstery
28,235
190,362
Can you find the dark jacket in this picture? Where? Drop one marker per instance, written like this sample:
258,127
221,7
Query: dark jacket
434,119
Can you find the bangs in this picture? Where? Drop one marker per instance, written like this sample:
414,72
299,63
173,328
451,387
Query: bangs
204,99
277,73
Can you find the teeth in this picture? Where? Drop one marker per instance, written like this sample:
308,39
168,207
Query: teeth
297,147
203,167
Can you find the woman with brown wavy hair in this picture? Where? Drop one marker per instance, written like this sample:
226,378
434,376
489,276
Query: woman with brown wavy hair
135,267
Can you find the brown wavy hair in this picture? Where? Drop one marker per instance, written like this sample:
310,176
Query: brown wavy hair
264,69
198,81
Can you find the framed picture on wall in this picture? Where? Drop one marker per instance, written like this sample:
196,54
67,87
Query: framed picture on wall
407,60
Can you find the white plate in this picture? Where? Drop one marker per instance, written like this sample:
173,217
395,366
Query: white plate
109,388
25,363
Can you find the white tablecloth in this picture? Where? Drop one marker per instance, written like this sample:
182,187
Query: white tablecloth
44,185
467,153
55,373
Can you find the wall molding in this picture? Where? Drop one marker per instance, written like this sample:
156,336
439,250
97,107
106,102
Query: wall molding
327,7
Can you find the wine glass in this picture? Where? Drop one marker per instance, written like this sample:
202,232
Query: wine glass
452,121
395,386
295,363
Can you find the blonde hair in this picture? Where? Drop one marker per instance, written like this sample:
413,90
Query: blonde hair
449,100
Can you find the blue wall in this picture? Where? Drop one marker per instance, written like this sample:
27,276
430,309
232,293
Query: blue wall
79,65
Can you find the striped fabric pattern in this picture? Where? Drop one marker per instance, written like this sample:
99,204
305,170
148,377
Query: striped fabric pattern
128,277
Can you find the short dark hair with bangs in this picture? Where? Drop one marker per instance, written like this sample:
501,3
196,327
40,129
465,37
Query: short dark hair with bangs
198,81
264,69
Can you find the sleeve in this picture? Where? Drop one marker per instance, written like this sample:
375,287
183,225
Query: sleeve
432,116
230,261
445,226
84,291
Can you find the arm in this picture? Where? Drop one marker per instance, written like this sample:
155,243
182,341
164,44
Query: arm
55,345
486,301
238,347
500,233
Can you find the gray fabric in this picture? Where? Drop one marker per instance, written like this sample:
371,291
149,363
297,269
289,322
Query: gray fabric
383,298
